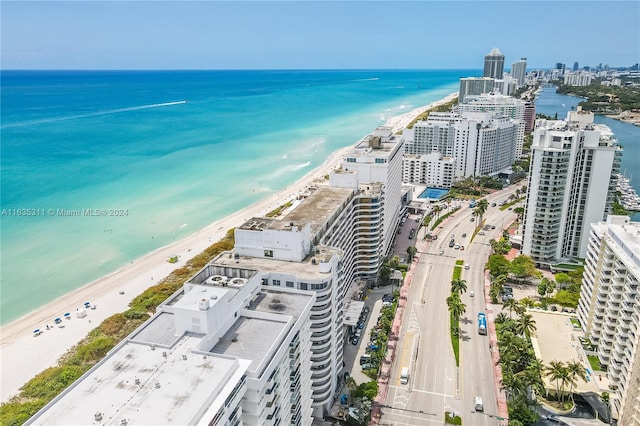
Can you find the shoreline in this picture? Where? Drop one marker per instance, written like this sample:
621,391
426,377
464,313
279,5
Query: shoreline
25,355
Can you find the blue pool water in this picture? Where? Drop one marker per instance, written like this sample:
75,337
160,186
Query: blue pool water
433,193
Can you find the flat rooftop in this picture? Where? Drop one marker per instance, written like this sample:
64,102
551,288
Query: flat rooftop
316,209
556,339
305,268
251,339
174,384
272,301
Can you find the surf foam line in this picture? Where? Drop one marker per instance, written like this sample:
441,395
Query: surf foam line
92,114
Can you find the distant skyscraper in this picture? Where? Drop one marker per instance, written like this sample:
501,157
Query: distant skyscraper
519,71
494,64
576,66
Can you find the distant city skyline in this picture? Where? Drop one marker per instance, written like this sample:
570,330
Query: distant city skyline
314,35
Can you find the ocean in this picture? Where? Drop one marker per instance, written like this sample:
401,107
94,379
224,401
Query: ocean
101,167
551,103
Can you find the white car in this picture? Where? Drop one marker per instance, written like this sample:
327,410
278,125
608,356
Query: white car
471,293
457,246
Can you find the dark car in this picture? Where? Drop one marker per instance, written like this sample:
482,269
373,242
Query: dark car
464,235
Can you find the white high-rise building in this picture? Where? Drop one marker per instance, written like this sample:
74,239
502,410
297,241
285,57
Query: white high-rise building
571,184
432,170
519,71
481,144
354,215
223,350
609,309
500,105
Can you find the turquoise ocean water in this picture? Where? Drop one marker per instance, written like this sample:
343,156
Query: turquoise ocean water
628,135
170,152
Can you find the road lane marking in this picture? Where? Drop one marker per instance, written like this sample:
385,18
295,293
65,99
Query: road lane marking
433,393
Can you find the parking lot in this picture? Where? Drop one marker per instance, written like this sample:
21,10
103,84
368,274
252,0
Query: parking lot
353,353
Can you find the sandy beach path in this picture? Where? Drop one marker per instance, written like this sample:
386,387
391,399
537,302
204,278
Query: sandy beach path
23,355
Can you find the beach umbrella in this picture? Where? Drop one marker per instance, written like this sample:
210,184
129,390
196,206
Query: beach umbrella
36,331
67,314
57,320
87,304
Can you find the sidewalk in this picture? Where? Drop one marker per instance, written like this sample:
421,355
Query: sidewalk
501,397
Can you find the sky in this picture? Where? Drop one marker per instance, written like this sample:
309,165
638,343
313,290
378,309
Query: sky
315,34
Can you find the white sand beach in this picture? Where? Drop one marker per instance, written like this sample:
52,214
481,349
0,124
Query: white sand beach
23,355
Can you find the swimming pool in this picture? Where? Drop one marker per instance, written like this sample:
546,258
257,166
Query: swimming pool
433,193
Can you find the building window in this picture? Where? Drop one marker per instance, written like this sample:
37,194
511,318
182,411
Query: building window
289,283
265,281
304,286
268,253
351,160
380,160
276,282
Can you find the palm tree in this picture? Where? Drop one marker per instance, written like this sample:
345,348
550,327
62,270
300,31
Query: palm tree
532,376
411,251
576,369
494,292
436,209
526,325
510,304
456,308
514,384
501,317
558,373
458,286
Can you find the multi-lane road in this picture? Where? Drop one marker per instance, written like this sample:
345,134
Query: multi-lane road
435,384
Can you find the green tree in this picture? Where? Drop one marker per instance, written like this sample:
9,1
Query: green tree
510,304
563,280
526,325
436,209
576,370
542,288
551,287
458,286
532,376
481,209
514,384
411,251
498,265
367,390
456,308
558,373
524,267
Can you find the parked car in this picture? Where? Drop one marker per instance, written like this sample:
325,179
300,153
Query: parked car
493,227
355,340
461,248
493,204
464,235
471,293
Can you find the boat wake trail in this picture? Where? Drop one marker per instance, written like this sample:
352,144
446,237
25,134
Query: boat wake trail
91,114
